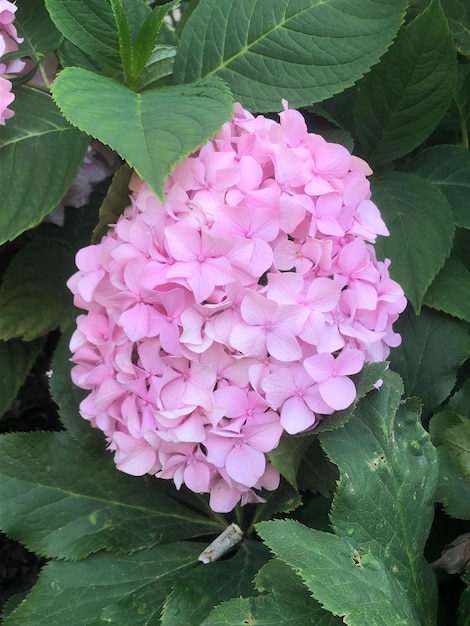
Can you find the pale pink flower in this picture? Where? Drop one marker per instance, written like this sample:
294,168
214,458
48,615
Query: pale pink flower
235,310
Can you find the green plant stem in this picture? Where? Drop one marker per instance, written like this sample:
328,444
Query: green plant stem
39,87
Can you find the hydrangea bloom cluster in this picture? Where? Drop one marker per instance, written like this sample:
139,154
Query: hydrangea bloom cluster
9,41
235,311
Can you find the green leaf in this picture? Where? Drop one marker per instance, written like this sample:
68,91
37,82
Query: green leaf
452,489
432,349
68,396
458,16
300,50
287,457
35,176
89,25
34,25
77,593
194,596
116,200
316,472
126,50
388,476
421,228
457,443
462,95
147,37
159,65
448,167
382,514
16,358
286,601
64,501
151,130
35,282
450,291
369,594
401,101
464,604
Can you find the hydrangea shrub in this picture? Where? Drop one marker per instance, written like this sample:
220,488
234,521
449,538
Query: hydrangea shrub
236,310
245,286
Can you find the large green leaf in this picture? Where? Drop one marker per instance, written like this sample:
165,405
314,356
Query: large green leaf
35,26
89,25
35,175
381,515
345,581
384,499
421,228
448,167
284,601
432,349
194,596
402,99
300,50
450,291
78,593
16,358
151,130
33,297
63,501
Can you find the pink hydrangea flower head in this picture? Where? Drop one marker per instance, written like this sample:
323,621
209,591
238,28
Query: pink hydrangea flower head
9,41
235,311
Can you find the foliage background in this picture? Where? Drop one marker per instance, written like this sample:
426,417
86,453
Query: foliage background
389,80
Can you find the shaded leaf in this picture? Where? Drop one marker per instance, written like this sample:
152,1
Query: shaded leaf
297,50
70,509
68,396
457,443
35,176
458,16
384,500
316,472
448,167
432,349
452,488
34,25
150,130
287,457
421,228
401,101
35,281
17,358
286,601
77,593
195,595
116,200
450,290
